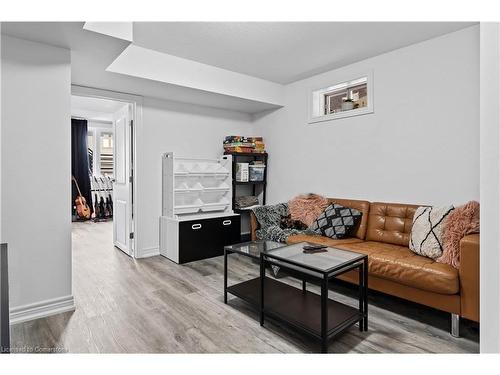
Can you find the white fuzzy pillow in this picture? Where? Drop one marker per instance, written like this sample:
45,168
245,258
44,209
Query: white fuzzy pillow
426,237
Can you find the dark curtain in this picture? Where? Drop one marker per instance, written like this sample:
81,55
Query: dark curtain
80,161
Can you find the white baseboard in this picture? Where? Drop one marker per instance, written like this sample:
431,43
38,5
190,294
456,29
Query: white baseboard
148,252
41,309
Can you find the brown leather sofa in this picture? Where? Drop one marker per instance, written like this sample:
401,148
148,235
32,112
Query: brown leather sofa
384,234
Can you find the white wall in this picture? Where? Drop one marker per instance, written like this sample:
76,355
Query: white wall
421,145
490,188
1,238
185,129
35,195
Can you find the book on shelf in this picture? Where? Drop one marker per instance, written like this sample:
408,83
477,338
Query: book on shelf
238,138
239,149
252,145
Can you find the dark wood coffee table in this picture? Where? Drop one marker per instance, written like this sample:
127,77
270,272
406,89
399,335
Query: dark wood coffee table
313,314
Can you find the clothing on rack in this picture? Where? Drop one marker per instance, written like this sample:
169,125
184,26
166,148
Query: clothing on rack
102,200
91,160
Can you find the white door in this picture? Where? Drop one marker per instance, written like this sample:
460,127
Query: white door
122,188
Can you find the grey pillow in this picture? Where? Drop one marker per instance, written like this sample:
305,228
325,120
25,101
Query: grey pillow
337,221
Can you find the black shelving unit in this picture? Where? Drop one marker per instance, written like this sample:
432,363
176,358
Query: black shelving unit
250,183
262,185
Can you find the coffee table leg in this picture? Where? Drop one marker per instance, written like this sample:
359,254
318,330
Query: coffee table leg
262,279
225,276
324,315
365,294
361,294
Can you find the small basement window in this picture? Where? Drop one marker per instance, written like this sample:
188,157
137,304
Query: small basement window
344,99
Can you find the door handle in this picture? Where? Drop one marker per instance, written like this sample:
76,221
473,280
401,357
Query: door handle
196,226
226,222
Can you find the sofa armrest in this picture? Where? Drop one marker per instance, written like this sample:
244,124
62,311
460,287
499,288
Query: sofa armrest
254,225
469,277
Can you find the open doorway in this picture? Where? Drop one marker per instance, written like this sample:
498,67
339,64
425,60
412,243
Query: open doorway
102,149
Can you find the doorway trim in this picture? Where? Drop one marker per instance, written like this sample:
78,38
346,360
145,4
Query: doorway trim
136,101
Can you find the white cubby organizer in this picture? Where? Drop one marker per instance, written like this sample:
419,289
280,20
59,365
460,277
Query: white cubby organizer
196,186
197,191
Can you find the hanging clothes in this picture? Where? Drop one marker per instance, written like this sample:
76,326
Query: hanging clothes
91,160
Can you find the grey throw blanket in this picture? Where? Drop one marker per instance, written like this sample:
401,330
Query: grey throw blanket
269,218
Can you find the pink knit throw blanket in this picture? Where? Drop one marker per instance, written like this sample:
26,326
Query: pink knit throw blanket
460,222
307,208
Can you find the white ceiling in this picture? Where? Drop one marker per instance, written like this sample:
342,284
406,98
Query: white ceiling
96,109
92,53
284,52
279,52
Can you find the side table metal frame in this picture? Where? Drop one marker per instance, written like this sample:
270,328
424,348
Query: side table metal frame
324,278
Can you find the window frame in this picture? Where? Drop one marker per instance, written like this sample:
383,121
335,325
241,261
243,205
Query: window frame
320,93
108,134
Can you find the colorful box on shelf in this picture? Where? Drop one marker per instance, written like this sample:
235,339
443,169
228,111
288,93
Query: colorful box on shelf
241,144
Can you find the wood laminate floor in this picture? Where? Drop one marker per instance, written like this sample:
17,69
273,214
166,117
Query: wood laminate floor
155,306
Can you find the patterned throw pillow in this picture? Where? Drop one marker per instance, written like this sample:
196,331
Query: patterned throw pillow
336,221
426,236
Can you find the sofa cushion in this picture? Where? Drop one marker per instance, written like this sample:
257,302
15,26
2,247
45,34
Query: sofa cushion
336,221
399,264
390,223
362,206
320,240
